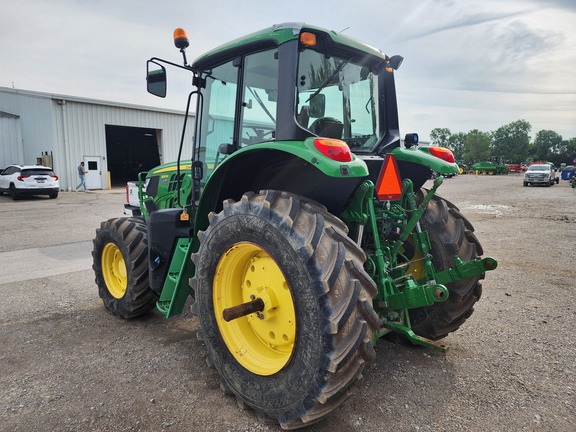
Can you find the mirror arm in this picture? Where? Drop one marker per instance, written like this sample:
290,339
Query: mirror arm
186,67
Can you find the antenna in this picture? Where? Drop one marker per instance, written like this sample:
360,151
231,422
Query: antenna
342,31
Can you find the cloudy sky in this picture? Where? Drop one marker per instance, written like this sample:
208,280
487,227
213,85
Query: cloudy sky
468,64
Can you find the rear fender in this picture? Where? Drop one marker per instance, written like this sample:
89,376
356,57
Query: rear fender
291,166
414,164
418,165
417,156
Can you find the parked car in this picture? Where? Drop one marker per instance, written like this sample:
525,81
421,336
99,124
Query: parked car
542,174
19,180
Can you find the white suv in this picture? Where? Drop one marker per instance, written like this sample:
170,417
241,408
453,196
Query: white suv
18,180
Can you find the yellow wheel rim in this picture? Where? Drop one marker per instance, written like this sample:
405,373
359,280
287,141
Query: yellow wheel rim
261,342
114,270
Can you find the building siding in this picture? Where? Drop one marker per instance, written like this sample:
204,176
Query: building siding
71,128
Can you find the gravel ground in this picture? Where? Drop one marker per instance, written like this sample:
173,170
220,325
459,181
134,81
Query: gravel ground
66,364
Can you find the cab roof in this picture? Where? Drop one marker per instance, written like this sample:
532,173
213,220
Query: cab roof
277,35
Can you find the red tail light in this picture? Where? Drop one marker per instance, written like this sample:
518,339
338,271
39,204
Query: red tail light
22,177
335,149
127,197
55,177
442,153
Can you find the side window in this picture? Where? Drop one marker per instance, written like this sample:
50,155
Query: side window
259,98
217,126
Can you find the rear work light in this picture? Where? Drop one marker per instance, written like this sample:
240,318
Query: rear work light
335,149
389,185
442,153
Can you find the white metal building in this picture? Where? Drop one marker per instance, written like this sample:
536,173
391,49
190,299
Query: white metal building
115,141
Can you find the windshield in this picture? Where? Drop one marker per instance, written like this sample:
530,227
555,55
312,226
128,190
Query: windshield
538,168
337,99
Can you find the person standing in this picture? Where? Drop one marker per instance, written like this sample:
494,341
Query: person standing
81,174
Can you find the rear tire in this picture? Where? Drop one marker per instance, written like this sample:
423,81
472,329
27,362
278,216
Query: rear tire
53,195
14,193
297,257
451,234
120,264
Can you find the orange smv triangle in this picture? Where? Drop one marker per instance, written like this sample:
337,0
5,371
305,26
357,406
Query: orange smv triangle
389,186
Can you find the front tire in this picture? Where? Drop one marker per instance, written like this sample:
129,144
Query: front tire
451,234
120,263
299,358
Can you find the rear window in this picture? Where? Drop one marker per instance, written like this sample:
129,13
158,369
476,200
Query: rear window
37,171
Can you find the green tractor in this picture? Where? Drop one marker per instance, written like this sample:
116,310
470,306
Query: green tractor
300,232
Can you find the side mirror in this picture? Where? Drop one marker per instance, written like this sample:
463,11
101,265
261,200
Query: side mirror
156,79
396,61
318,106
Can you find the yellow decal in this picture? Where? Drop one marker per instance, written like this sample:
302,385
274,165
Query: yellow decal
173,169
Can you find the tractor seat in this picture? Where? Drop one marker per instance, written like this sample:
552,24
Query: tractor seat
327,127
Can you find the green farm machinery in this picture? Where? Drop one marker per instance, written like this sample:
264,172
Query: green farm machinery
489,168
300,230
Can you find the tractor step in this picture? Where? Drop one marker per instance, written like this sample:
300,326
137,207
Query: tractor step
176,287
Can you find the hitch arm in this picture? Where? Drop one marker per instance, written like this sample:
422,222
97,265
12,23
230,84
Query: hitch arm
465,270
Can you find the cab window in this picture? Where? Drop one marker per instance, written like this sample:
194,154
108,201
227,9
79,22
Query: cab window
217,116
259,98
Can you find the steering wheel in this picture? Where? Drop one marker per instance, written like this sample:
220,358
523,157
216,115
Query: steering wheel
261,135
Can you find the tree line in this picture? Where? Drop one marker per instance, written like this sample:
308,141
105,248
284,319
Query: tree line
510,143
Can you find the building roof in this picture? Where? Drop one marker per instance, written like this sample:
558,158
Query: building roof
4,114
68,98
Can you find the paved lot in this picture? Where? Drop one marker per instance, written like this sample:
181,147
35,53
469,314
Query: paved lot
68,365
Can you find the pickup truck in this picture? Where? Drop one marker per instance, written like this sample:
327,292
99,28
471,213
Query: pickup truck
541,174
132,206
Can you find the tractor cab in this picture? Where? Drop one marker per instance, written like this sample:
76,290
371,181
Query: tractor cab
290,83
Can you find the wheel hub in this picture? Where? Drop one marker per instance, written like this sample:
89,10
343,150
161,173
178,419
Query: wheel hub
114,270
262,341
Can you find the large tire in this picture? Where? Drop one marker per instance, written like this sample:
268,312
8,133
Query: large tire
120,264
300,358
451,234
